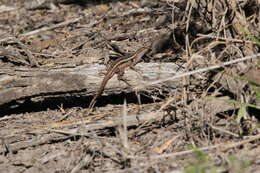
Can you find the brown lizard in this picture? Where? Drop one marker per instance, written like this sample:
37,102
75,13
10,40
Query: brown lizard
118,67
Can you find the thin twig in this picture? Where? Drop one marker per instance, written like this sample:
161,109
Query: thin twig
51,27
124,135
224,147
142,86
27,34
83,163
223,130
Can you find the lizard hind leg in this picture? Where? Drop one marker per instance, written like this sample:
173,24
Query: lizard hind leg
136,70
120,77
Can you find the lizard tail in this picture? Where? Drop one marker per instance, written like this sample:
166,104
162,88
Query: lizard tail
94,100
92,103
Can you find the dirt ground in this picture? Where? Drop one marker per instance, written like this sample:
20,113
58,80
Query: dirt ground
50,54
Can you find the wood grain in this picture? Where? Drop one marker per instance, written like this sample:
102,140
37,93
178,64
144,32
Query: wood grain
24,83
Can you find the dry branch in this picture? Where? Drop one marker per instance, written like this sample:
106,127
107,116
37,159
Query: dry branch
34,32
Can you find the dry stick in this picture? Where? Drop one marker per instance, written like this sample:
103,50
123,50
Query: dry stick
50,28
165,145
43,29
124,132
31,58
83,43
83,163
137,11
171,99
130,119
188,48
225,39
223,130
202,36
5,9
225,147
32,143
197,71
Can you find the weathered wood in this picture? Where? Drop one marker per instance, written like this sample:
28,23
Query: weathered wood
21,83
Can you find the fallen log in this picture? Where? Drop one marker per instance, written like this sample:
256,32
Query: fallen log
26,83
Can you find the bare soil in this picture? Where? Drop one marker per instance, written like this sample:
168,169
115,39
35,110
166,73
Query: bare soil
51,61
